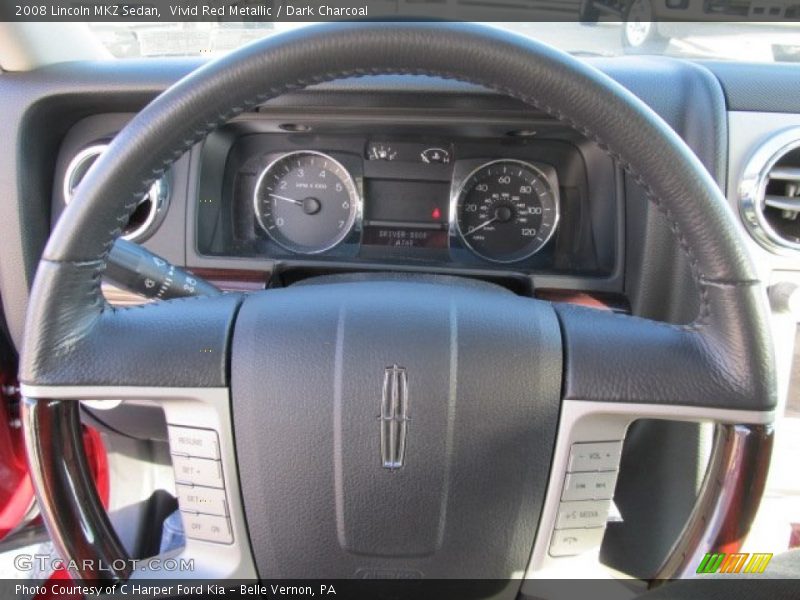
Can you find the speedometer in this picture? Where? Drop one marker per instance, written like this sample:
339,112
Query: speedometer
306,202
506,210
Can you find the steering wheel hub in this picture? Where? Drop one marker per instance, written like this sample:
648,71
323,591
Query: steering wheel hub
476,413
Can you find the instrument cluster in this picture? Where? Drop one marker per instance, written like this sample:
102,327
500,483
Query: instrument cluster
415,202
501,210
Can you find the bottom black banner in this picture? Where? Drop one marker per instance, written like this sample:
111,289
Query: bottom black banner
417,589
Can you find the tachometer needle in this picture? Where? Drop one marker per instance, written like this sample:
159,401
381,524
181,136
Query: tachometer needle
481,226
285,199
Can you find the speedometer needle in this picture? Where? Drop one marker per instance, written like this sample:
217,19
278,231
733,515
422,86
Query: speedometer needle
285,199
482,225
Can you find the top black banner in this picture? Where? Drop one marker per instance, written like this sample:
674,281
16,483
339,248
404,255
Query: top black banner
256,11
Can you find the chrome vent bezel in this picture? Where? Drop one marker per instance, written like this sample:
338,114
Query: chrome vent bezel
158,195
753,186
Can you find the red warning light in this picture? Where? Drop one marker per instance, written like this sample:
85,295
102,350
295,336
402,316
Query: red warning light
436,214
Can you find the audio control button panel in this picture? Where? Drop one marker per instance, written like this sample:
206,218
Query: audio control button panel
586,494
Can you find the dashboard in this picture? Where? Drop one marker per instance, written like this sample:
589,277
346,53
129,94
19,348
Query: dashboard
410,154
508,199
460,203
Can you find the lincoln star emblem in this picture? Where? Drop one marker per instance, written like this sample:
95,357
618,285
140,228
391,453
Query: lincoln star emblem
394,416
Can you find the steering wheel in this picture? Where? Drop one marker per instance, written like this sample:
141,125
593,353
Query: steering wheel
481,401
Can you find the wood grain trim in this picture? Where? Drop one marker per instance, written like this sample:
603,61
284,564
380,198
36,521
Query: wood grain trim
598,300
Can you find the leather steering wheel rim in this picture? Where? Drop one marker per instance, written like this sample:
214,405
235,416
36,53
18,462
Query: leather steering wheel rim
725,354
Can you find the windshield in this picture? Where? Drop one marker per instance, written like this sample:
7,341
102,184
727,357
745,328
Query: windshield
760,42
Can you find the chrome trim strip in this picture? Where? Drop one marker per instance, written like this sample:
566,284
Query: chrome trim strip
463,170
394,417
356,216
752,187
113,392
158,194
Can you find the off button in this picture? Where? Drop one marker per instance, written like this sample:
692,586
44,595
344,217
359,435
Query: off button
208,528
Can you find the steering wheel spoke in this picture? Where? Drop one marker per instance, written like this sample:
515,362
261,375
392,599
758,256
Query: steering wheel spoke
721,360
173,354
620,369
177,343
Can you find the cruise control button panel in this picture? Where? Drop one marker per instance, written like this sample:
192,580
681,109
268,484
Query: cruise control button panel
200,484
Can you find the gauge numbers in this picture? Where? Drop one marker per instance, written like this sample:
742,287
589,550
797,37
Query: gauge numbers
306,202
506,210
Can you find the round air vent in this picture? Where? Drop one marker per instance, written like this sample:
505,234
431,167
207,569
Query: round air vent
769,193
147,216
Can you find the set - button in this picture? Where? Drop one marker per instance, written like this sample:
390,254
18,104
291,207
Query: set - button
585,497
200,484
195,498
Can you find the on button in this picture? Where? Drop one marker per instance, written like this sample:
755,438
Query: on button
207,527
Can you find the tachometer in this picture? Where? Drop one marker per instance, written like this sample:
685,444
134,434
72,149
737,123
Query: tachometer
506,210
306,201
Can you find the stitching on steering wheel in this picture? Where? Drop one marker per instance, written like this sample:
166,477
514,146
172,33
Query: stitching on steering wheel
198,135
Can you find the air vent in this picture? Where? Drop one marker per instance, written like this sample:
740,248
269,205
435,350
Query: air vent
151,210
769,193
